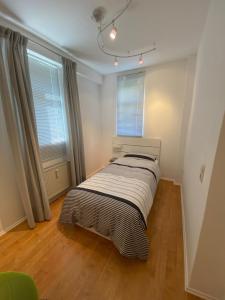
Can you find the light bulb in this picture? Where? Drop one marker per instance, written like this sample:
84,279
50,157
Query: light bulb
141,61
113,33
116,62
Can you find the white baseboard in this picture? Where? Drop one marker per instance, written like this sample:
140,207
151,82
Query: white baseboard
188,289
94,172
200,294
171,179
4,231
186,271
167,179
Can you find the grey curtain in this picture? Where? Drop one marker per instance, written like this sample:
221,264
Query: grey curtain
17,102
74,122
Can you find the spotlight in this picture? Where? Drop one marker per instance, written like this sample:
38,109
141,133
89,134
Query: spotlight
116,62
113,33
141,61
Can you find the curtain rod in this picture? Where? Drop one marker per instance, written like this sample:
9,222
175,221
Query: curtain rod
27,31
44,38
52,50
56,53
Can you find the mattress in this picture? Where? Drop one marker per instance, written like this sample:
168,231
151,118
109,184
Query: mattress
116,202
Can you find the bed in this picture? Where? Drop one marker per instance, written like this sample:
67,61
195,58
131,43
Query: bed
116,201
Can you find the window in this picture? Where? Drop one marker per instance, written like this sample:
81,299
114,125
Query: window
49,110
130,99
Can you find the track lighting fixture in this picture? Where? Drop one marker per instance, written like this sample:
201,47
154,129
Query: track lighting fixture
113,32
99,15
116,62
141,61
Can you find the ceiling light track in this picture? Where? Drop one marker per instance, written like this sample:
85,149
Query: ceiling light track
98,16
103,27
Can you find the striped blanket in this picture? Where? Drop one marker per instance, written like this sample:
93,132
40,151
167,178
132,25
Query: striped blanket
116,202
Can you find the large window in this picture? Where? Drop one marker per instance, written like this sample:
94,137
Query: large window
130,101
46,81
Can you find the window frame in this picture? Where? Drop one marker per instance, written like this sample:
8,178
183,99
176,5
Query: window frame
58,63
116,104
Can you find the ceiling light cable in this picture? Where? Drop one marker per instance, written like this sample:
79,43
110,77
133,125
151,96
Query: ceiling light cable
98,16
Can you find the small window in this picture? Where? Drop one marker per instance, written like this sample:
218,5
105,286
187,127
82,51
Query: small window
46,82
130,101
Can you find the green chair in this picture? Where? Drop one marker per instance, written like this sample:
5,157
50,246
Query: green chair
17,286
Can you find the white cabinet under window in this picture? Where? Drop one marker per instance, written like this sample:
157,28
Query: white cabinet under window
57,179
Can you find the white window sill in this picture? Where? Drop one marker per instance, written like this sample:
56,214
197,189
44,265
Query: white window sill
52,163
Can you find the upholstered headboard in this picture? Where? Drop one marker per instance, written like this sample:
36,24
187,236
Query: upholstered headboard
123,145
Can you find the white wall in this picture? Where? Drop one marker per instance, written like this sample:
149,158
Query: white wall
204,129
168,90
90,102
211,246
108,95
189,90
165,101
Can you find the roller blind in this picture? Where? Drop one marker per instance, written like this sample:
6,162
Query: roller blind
130,100
48,106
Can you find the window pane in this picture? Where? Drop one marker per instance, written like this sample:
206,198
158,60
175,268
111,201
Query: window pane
48,106
130,98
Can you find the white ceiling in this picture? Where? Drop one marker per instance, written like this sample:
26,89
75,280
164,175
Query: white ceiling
175,25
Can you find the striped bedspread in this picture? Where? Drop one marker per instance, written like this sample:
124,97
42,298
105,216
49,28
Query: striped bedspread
116,202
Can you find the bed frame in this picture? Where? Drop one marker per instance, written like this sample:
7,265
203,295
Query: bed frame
122,145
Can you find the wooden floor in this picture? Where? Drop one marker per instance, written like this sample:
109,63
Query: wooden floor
71,263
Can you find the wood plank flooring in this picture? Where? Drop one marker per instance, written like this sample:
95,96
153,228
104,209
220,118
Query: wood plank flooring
70,263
